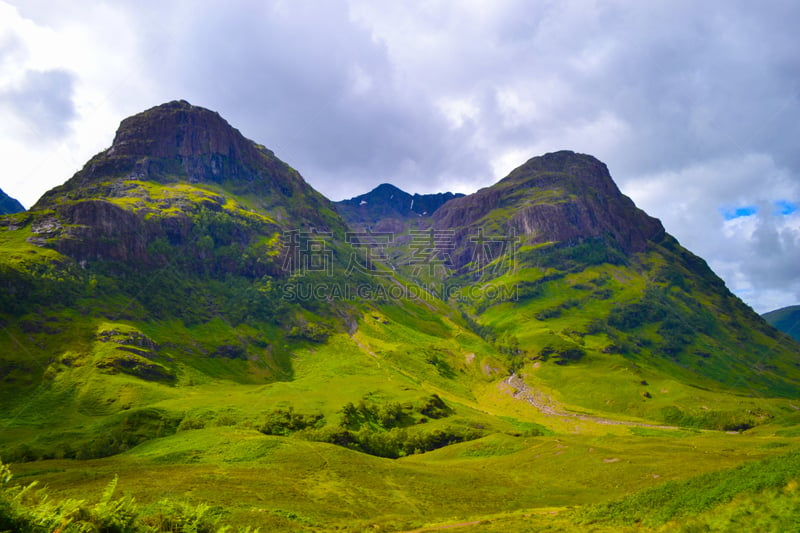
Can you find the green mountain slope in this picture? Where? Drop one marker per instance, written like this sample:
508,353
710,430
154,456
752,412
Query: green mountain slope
596,290
186,308
786,319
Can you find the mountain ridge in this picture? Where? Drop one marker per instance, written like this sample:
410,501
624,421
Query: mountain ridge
388,208
180,186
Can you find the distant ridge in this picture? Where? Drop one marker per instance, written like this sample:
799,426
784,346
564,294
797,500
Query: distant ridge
786,319
9,205
387,201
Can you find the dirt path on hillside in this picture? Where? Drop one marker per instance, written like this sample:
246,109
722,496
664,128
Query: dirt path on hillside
546,405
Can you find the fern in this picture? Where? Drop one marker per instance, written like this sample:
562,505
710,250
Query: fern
28,509
108,493
5,474
114,515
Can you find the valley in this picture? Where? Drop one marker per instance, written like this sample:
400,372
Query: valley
193,338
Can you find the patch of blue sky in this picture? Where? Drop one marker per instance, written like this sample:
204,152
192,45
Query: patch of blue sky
737,212
785,207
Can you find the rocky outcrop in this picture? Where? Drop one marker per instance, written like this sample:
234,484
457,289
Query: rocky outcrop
177,141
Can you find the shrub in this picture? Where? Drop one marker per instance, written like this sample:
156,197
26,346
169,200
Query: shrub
562,352
286,421
191,422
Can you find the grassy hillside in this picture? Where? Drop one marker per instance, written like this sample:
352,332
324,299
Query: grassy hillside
626,338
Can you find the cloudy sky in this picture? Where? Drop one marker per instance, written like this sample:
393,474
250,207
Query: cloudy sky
694,106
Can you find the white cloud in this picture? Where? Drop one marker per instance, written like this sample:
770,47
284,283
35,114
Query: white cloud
757,254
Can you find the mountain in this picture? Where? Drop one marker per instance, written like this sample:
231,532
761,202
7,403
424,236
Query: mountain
561,197
187,309
556,242
786,319
182,218
8,205
387,204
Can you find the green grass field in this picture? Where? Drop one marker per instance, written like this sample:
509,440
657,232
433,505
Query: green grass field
200,442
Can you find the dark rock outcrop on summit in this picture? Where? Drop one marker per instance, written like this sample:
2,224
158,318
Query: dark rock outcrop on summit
176,139
561,197
179,142
8,205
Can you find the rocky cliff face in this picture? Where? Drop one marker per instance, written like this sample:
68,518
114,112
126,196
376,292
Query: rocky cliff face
179,141
561,197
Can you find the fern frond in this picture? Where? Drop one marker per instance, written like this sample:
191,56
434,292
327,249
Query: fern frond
108,493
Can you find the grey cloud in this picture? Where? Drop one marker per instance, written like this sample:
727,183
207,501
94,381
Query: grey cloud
315,87
43,102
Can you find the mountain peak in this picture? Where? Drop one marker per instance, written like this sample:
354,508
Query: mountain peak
560,197
565,168
178,141
166,165
177,129
560,159
387,188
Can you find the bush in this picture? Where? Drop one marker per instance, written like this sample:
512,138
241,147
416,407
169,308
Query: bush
718,420
396,442
285,422
310,332
191,423
562,352
381,429
577,256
